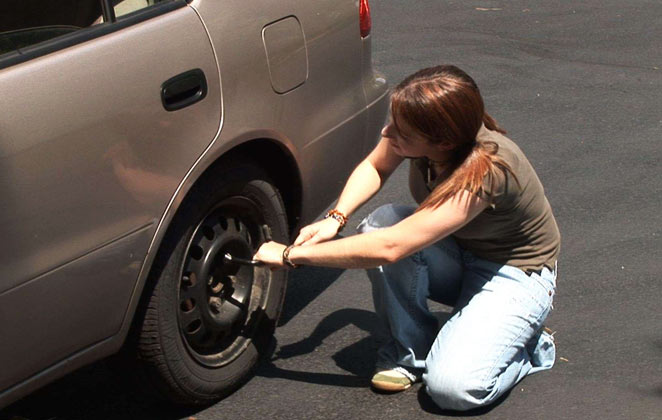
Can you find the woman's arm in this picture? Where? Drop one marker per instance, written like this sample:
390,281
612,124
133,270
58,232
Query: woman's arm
387,245
366,179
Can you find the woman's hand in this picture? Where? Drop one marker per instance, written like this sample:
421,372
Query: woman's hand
317,232
271,253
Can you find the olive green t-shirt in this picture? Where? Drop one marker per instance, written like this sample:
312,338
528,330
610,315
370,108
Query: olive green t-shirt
518,228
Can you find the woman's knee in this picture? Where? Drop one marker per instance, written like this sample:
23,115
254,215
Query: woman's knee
385,216
455,389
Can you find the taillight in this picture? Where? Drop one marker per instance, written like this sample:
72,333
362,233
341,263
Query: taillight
364,18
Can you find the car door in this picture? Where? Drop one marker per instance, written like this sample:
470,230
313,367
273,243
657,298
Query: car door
104,108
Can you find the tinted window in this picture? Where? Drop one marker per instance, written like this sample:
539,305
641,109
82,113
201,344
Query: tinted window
126,7
28,22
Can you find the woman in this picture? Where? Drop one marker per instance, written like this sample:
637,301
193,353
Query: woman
483,240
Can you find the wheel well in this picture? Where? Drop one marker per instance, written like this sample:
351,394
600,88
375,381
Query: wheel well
280,167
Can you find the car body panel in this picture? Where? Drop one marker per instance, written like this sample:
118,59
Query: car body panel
327,112
54,325
93,158
86,159
375,89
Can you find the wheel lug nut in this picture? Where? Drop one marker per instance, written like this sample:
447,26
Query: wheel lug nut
215,304
216,288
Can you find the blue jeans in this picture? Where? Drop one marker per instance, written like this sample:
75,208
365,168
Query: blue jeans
494,336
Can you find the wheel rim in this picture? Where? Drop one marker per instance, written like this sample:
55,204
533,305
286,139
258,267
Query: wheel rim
216,297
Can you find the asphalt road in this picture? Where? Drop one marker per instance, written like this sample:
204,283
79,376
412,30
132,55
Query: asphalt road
579,86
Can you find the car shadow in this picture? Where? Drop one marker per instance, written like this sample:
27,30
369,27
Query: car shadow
93,392
97,391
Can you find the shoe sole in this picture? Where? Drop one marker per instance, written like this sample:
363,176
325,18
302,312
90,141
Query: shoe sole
389,386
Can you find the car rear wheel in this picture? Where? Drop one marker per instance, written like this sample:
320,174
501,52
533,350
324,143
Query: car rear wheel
203,321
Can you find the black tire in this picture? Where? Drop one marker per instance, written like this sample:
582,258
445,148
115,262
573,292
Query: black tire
198,357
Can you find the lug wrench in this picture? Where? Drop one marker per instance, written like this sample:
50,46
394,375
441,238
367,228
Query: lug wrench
242,261
266,232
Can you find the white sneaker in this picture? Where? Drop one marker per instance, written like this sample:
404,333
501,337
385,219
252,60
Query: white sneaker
392,380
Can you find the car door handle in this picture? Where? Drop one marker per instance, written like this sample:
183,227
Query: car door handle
183,90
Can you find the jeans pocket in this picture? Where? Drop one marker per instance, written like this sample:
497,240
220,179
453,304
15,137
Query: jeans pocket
547,281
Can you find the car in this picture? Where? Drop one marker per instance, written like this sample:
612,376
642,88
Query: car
143,140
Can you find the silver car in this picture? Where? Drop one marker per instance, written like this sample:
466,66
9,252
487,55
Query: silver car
143,140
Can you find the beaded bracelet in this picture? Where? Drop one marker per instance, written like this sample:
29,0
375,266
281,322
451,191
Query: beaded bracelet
338,216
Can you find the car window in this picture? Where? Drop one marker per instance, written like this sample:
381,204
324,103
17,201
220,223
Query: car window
126,7
24,23
31,28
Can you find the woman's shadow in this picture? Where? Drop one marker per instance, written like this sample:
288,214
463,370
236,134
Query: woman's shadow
358,358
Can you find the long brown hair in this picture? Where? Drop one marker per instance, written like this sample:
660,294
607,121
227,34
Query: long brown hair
443,105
